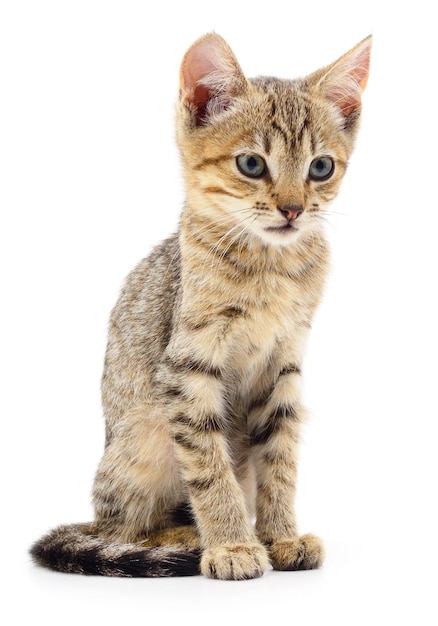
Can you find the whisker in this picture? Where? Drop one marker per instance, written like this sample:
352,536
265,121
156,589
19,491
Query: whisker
227,234
330,212
215,249
226,219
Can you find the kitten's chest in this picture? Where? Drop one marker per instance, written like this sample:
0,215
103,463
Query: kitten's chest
247,313
274,314
243,326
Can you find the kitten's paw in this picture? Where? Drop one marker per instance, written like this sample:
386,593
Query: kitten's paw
305,552
235,562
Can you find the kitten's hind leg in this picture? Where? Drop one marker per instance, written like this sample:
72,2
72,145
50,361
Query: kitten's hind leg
138,481
180,536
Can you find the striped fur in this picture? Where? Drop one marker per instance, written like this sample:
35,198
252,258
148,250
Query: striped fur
201,385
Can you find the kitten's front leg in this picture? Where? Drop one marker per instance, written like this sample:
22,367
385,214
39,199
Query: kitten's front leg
274,432
231,548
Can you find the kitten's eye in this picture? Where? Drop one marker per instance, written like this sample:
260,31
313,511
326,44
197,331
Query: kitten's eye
251,165
321,168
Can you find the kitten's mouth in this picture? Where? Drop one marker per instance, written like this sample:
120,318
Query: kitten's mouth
284,229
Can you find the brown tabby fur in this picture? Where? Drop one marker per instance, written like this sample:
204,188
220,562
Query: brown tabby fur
201,386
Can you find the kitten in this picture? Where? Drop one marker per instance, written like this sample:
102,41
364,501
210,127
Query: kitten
201,385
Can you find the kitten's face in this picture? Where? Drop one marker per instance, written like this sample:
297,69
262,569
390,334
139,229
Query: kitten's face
262,158
269,167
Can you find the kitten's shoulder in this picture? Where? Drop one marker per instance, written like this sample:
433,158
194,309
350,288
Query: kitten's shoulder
161,255
156,273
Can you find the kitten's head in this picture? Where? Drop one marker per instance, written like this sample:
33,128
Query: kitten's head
263,157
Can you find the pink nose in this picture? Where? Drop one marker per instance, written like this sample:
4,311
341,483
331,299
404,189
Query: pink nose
291,212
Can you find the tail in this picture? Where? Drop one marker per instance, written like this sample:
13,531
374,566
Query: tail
74,549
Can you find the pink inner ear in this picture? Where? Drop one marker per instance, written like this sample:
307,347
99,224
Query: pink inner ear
195,66
349,78
346,102
198,63
361,71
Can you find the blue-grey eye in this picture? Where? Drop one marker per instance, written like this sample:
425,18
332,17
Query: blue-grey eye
251,165
321,168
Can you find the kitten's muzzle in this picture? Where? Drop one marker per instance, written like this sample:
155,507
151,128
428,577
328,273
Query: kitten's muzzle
291,212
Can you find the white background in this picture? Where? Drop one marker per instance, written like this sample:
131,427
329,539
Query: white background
89,181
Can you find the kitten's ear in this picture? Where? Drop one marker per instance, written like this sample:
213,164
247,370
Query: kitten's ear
344,80
210,77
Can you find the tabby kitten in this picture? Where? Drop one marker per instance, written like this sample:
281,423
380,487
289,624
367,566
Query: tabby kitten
201,385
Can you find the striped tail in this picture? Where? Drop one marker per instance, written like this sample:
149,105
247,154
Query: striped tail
74,549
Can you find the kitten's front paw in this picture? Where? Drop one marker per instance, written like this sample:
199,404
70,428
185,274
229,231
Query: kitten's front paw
305,552
236,562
